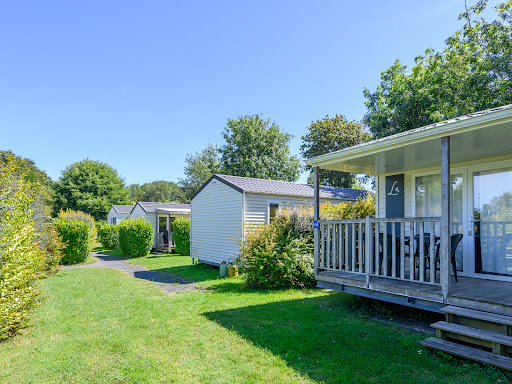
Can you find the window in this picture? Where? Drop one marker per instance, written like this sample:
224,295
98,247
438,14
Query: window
113,220
273,208
162,224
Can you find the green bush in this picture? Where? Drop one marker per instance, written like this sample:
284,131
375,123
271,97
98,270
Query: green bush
108,235
76,236
279,254
69,214
135,236
21,259
181,235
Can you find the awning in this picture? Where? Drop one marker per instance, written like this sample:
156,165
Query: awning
478,136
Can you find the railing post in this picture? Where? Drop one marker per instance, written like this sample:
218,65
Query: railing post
368,234
446,189
316,218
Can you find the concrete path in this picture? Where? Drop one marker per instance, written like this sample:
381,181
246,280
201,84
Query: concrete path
167,282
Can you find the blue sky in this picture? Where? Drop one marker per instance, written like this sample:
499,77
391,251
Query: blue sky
138,85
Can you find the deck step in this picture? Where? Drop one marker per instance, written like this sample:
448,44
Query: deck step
473,333
468,353
478,315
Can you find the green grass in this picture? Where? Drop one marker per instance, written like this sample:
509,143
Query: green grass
99,325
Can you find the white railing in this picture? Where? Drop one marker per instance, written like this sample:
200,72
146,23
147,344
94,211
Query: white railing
403,248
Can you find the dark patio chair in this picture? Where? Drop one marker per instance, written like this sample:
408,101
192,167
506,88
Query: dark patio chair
455,242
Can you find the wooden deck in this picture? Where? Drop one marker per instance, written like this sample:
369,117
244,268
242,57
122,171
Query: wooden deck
484,295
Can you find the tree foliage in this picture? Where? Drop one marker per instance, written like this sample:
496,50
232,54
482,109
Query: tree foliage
40,182
472,73
255,147
328,135
21,260
90,186
198,169
159,191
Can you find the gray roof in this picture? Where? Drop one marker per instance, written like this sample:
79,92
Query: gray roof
152,207
122,208
274,187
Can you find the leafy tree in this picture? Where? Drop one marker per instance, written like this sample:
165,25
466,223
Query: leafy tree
200,166
40,182
90,186
158,191
258,148
331,134
472,73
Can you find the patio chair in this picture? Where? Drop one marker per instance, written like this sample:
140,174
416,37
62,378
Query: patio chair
455,242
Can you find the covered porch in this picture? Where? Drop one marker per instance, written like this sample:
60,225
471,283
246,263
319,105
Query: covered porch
164,228
442,234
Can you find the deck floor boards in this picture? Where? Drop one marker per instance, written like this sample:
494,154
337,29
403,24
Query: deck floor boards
466,290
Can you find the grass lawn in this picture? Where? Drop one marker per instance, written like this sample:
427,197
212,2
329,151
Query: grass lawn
99,325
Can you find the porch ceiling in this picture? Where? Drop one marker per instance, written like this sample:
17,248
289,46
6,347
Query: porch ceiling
476,138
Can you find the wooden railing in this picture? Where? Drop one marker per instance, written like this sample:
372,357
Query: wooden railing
403,249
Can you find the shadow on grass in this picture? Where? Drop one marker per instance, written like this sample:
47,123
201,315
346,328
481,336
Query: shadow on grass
326,340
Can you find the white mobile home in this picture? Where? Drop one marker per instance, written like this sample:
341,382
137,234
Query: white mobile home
118,213
224,204
442,238
161,217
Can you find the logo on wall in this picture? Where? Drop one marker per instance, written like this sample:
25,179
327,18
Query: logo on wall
394,189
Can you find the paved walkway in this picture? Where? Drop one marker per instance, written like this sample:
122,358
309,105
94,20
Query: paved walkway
167,282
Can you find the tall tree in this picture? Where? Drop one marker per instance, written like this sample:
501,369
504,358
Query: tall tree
92,187
158,191
41,183
331,134
256,147
200,166
472,73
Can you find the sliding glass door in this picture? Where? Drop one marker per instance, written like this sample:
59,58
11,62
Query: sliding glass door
492,222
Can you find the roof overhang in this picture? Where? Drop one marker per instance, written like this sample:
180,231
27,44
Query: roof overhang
173,211
476,138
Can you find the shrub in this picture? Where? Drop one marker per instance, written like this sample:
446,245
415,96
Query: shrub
181,235
69,214
135,236
76,236
279,254
20,257
344,211
108,235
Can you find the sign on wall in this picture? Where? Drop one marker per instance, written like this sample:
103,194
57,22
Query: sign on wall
395,196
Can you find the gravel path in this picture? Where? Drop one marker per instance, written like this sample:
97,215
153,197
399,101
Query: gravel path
167,282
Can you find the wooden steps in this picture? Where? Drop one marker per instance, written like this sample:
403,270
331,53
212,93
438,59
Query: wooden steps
469,353
467,332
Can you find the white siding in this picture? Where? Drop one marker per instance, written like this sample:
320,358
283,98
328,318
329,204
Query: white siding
120,216
216,220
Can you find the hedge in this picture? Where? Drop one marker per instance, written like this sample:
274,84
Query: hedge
21,260
135,236
181,235
70,214
76,236
108,235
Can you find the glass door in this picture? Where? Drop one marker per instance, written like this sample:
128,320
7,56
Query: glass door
492,222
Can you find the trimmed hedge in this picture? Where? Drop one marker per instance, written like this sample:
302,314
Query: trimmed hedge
181,235
76,235
21,259
70,214
108,235
135,236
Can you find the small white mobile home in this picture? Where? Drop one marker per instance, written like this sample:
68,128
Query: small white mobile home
118,213
161,216
224,204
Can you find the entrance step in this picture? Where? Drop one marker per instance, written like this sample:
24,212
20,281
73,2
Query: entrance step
466,331
468,353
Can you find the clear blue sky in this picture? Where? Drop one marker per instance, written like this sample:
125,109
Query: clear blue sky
138,85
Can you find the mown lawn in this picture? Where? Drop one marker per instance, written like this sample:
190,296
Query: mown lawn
99,325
